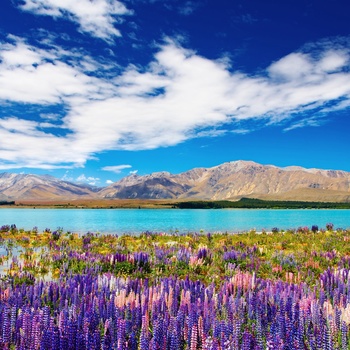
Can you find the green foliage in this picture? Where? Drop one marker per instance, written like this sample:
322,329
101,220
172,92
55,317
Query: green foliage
252,203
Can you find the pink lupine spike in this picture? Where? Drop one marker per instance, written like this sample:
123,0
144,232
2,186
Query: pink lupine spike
194,338
201,333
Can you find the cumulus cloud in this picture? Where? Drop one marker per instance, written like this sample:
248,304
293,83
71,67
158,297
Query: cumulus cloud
93,181
116,168
67,177
109,182
180,95
29,74
95,17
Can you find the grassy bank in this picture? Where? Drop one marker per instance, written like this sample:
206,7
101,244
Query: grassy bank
243,203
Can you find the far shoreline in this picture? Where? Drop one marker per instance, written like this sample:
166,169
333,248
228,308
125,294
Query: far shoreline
243,203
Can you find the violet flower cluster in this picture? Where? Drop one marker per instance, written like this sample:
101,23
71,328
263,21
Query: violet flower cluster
105,312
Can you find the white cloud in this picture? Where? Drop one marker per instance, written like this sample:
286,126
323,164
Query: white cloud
67,177
32,75
292,67
241,131
116,168
133,172
333,61
305,122
178,96
109,182
93,181
96,17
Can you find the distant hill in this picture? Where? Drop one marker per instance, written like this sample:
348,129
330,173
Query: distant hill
36,187
228,181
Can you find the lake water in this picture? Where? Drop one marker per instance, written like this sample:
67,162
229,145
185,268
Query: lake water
135,221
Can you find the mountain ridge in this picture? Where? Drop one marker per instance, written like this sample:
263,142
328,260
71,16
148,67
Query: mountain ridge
227,181
31,186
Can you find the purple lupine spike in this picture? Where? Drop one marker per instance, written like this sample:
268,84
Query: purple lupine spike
26,326
6,325
344,336
326,338
13,321
217,329
144,339
80,341
106,340
329,227
141,258
174,341
215,345
45,342
337,318
202,253
183,255
121,334
96,340
128,320
55,338
289,334
247,341
312,342
64,344
259,333
71,333
296,339
132,342
236,331
36,334
158,336
318,337
224,336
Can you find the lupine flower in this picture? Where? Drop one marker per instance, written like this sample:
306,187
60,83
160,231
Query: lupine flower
95,310
329,226
314,228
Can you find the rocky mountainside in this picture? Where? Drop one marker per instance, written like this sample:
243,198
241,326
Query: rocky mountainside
234,180
231,180
27,186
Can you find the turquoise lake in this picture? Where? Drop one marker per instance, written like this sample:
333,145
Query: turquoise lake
135,221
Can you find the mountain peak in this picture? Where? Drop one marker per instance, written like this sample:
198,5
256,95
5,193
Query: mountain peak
231,181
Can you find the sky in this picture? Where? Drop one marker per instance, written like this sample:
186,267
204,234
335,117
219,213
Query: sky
92,91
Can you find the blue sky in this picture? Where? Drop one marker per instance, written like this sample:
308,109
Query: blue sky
93,90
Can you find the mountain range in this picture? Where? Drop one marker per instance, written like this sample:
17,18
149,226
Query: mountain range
231,181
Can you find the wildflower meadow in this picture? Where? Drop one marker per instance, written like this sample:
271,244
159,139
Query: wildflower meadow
156,291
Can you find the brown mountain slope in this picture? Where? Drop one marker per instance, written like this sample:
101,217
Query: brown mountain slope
27,186
230,181
234,180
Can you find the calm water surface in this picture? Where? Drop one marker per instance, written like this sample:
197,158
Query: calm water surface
170,220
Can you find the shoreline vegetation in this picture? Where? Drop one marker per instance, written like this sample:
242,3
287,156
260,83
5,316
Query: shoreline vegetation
252,203
280,289
243,203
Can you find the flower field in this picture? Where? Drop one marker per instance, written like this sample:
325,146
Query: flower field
270,290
